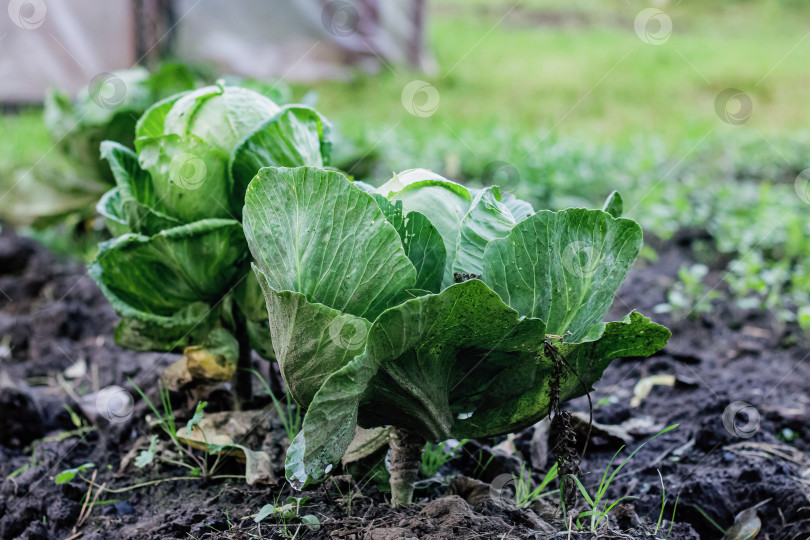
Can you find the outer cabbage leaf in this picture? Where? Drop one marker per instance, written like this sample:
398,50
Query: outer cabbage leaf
486,220
411,176
416,353
457,364
507,405
313,232
563,267
152,123
170,79
215,359
173,269
135,96
310,340
297,135
58,114
111,207
46,194
260,339
78,137
143,331
422,242
79,126
368,188
140,90
249,298
133,203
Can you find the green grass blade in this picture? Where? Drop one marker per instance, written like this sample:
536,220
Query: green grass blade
709,519
670,428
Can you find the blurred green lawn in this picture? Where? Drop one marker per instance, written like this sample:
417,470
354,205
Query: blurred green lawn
580,69
568,67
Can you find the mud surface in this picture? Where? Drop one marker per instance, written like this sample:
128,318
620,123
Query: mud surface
57,353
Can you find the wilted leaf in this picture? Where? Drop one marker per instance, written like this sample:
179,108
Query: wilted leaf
214,360
218,433
746,526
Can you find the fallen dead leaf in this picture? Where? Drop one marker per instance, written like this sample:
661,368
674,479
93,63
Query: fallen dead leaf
223,430
746,526
645,385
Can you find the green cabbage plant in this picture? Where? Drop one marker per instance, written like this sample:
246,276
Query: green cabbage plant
440,311
178,269
73,177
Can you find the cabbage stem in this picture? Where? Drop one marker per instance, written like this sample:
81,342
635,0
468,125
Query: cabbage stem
242,384
405,462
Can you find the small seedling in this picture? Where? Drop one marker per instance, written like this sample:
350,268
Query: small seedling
437,455
524,494
663,505
147,456
688,296
347,497
480,465
289,510
77,421
69,474
197,466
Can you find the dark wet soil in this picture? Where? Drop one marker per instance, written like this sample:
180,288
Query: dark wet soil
56,349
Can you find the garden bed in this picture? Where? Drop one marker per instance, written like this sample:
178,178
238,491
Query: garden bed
57,345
